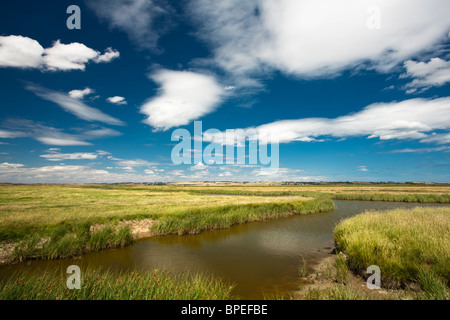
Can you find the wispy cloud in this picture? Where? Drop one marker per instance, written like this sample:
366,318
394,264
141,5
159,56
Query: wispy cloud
409,119
56,156
434,73
74,106
421,150
143,20
443,138
134,163
24,52
17,128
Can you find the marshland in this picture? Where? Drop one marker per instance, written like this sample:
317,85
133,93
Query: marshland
224,241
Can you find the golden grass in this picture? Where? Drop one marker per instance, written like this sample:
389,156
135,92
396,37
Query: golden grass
48,205
408,245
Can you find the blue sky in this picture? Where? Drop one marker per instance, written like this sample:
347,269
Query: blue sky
351,90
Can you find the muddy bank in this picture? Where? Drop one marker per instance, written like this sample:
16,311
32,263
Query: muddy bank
140,229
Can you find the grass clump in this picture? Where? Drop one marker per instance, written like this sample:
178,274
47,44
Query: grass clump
302,268
65,242
108,285
195,221
409,246
341,268
108,237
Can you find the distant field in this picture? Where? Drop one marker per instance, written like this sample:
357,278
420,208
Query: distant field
377,189
41,206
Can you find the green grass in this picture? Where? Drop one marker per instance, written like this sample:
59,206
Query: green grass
302,269
54,221
63,214
341,268
419,198
342,195
108,285
409,246
195,221
64,243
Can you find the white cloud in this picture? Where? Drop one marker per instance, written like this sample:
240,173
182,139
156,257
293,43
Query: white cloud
422,150
437,138
24,52
281,174
117,100
6,134
80,94
409,119
101,133
434,73
65,141
363,169
10,172
70,156
138,18
199,166
20,52
74,106
183,97
134,163
72,56
316,38
52,136
8,165
109,55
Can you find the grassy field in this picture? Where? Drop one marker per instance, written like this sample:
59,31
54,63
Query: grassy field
411,247
107,285
54,221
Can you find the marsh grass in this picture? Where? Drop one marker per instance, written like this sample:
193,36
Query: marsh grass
419,198
409,246
108,237
54,221
64,243
61,215
195,221
108,285
341,268
433,286
302,268
341,195
28,209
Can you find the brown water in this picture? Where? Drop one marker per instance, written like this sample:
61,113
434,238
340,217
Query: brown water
260,258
